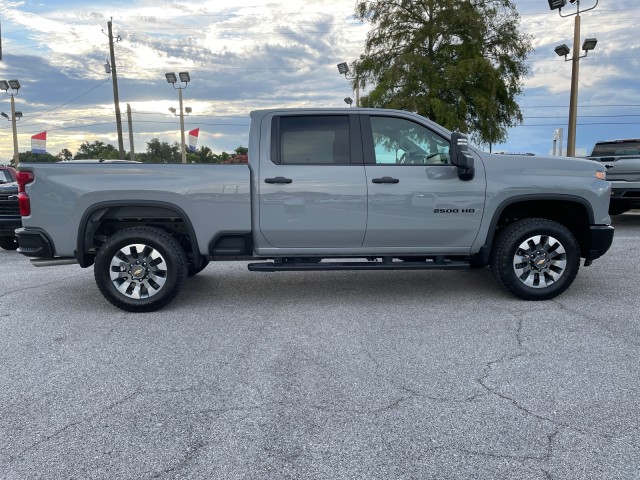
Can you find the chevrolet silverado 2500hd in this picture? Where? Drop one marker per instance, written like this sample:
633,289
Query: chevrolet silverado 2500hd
325,189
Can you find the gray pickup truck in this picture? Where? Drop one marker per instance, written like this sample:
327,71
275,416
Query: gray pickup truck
622,159
325,189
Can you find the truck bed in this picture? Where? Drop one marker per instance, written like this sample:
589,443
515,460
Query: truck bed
215,198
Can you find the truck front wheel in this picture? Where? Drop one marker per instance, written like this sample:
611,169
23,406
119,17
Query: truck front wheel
140,269
535,258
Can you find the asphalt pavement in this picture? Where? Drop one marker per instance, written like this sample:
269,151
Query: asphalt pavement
323,375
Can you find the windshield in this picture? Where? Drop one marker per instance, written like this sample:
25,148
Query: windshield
614,149
5,177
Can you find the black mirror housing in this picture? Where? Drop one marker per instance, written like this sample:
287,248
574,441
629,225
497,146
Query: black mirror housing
461,157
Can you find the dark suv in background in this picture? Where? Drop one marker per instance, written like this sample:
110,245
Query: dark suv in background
9,209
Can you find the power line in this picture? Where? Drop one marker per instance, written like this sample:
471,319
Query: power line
68,101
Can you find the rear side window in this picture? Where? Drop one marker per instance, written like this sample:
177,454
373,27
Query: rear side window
5,177
311,140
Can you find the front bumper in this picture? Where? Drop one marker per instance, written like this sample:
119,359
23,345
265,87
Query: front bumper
626,192
601,239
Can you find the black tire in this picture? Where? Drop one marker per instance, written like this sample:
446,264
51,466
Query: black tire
8,243
192,269
535,258
143,278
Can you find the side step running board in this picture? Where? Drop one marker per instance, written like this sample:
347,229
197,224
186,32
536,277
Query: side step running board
327,266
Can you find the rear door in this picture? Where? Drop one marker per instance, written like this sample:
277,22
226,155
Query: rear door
415,196
312,191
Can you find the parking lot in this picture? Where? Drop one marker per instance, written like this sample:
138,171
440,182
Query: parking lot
349,375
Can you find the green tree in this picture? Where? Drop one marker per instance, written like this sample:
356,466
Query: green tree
30,157
161,152
459,63
201,155
241,150
96,150
65,154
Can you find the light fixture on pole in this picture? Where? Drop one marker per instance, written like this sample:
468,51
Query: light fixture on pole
348,101
172,79
187,111
343,69
13,85
563,51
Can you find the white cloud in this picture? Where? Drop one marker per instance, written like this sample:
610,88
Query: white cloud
246,54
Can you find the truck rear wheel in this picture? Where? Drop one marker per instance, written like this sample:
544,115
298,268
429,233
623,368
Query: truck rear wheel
535,258
140,269
8,243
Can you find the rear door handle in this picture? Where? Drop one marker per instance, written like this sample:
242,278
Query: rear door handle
277,180
385,180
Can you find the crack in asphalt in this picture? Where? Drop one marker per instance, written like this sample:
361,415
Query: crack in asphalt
191,452
495,390
35,287
97,414
599,322
412,392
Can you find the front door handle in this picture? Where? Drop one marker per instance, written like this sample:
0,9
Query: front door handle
385,180
277,180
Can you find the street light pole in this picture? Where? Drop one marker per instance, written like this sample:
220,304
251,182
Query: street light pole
573,100
172,79
6,86
184,148
343,69
16,154
561,50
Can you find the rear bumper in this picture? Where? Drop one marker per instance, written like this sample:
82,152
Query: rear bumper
601,239
34,243
8,225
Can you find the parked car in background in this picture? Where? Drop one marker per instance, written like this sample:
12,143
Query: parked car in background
9,209
622,159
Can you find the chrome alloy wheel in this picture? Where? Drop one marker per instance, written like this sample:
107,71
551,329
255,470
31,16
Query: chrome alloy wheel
138,271
540,261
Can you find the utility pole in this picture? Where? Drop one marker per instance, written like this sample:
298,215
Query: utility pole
116,100
16,153
130,121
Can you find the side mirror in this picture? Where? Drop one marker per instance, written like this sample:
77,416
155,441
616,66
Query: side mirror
461,157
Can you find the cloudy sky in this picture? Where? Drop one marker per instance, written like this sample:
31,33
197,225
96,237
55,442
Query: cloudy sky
247,54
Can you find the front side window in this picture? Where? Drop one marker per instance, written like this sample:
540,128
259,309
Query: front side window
316,140
402,142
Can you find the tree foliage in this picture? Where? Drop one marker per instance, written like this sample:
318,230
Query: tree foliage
96,150
459,63
30,157
161,152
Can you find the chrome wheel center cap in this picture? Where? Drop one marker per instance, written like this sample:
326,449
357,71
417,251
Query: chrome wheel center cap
137,272
540,262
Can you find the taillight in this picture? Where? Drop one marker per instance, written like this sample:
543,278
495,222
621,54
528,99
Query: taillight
24,177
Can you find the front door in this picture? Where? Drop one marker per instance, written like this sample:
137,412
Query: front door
415,196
